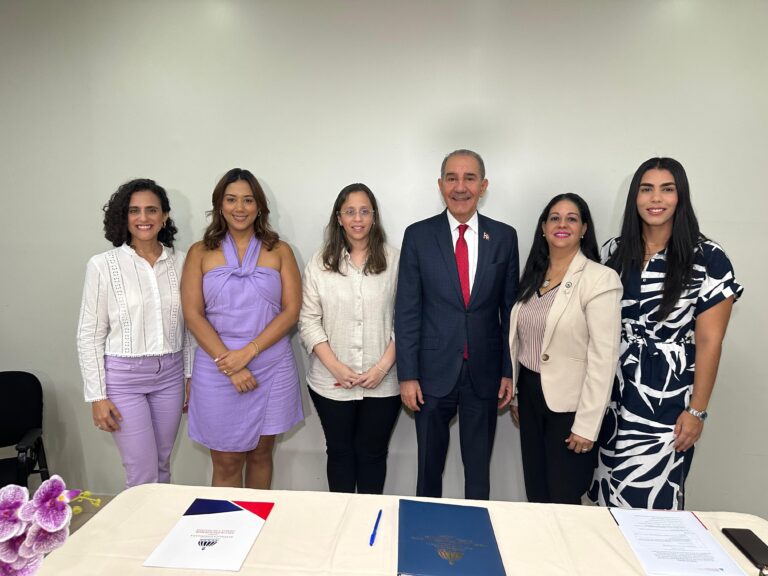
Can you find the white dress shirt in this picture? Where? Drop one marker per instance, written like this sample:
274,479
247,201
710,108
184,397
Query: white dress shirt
470,235
354,313
130,309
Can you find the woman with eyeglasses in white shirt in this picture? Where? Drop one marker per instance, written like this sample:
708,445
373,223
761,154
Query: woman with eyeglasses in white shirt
133,349
346,324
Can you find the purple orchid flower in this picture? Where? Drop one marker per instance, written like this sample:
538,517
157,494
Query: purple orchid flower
40,541
22,566
9,550
49,507
12,499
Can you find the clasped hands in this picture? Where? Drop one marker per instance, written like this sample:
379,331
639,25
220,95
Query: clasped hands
348,378
234,364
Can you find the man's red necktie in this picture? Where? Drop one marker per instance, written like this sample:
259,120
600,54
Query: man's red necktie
462,263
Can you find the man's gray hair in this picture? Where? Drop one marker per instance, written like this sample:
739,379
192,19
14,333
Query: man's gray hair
463,152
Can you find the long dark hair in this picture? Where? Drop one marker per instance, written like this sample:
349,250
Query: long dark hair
116,212
685,235
336,238
217,229
538,259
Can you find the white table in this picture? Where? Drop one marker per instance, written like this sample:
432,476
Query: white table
323,534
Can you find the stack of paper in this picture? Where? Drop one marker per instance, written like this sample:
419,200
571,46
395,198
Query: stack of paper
669,543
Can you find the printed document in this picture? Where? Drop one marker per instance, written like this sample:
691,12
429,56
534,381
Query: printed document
671,543
212,535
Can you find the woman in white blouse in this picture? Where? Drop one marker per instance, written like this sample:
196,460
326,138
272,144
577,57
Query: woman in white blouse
564,343
132,345
346,324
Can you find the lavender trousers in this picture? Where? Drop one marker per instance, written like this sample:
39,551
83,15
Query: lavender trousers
149,393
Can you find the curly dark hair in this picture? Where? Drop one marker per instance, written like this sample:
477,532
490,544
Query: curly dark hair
217,229
336,238
116,212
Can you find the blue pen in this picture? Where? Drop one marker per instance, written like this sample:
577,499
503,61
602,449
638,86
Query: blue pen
375,529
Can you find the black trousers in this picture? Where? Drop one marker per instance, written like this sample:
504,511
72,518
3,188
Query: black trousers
552,473
357,434
477,427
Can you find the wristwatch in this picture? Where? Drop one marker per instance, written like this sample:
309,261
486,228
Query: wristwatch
701,415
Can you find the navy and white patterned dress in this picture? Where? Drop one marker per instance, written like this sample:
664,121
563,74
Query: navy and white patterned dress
638,466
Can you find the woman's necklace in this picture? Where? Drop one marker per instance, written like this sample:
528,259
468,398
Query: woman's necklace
651,250
359,256
653,247
149,255
548,278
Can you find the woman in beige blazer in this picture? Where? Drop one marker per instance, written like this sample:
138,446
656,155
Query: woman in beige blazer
564,342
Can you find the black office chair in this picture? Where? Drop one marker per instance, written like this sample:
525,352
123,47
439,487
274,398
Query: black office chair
21,424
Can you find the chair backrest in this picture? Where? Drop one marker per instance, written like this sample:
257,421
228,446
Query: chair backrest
21,405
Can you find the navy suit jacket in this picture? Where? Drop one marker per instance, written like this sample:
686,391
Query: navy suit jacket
431,322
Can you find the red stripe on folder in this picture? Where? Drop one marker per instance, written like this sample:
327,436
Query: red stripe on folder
261,509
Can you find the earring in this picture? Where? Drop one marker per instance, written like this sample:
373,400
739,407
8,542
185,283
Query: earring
582,236
543,235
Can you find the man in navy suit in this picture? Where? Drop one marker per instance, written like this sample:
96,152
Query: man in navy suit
456,287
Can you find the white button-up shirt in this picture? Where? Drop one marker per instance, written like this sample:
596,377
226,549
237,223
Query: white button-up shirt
130,309
470,235
354,313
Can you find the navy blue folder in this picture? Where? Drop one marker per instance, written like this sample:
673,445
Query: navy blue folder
439,539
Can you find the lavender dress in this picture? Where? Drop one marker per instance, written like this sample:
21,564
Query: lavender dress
240,300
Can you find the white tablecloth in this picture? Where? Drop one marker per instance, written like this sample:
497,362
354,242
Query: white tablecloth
321,533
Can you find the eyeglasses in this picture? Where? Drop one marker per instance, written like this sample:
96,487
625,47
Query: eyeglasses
352,212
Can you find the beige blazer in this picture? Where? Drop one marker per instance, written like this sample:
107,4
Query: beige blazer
580,350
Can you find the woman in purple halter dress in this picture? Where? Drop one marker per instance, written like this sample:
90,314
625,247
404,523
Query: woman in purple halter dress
241,293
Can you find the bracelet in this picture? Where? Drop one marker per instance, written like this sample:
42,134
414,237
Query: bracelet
379,369
700,414
258,350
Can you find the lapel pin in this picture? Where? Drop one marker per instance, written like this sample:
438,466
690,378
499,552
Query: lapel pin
485,236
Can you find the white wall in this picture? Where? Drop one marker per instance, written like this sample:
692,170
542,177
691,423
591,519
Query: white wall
314,94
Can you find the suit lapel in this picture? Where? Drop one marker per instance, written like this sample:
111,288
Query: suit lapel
562,297
483,254
445,244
